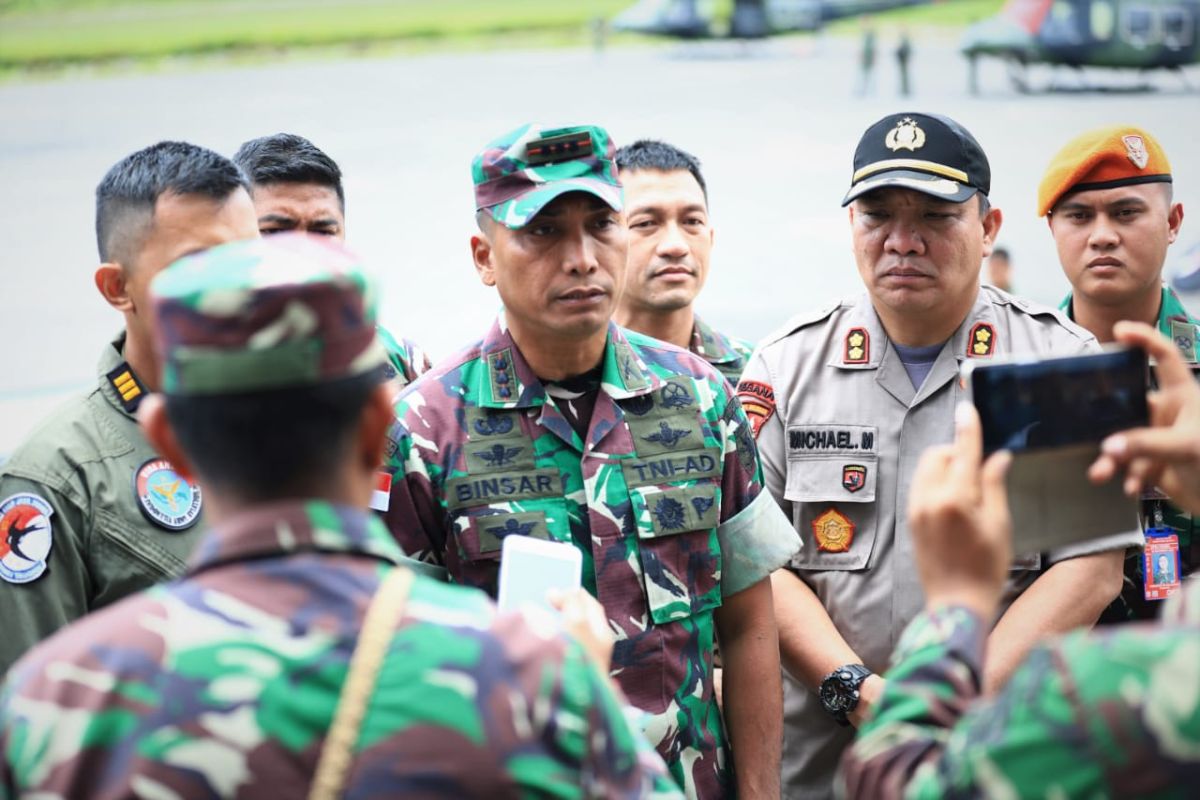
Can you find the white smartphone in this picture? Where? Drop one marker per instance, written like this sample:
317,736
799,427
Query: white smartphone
530,568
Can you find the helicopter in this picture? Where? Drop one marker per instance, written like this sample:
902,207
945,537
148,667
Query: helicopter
1120,34
751,19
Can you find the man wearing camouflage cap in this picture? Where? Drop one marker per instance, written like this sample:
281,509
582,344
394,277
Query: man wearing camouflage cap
844,400
89,512
563,426
224,682
1107,198
297,187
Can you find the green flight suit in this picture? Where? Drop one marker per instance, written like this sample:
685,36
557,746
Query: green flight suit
82,463
1179,326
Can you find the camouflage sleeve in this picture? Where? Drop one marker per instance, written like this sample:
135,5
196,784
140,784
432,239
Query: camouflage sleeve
42,595
414,516
1088,715
405,356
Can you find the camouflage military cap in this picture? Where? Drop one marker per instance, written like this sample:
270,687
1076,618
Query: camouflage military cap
519,173
286,311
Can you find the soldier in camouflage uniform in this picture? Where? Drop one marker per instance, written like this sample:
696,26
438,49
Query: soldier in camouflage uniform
560,425
670,241
297,187
1107,197
223,682
89,512
1112,714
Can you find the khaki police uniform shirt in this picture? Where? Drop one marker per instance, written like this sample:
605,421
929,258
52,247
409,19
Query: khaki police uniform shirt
96,544
841,446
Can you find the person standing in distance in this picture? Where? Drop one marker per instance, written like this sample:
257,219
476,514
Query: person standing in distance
844,402
226,682
297,187
560,425
670,243
89,512
1107,197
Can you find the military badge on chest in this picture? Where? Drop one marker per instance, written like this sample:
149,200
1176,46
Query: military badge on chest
833,531
854,477
165,497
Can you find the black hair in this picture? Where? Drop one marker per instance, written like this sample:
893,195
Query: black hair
271,445
288,158
126,197
653,154
1001,252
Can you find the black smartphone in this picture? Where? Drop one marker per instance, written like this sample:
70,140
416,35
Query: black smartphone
1059,402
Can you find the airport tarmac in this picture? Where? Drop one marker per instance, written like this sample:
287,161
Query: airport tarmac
775,124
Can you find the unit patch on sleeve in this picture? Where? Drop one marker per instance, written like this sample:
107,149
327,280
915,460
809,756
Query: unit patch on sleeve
164,497
833,531
25,537
858,347
982,342
758,401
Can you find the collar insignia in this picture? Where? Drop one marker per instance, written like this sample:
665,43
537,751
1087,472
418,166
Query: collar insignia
858,347
982,342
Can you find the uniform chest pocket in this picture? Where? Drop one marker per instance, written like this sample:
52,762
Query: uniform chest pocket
680,555
834,509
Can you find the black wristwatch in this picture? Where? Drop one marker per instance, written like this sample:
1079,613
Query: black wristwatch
839,690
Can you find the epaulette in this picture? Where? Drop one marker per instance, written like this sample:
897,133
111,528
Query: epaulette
127,386
799,321
1032,309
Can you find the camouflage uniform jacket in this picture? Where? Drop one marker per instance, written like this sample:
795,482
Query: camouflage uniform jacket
1183,329
406,359
1112,714
727,354
663,498
104,537
223,684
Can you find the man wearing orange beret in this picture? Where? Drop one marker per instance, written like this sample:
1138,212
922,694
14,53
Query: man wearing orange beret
1107,197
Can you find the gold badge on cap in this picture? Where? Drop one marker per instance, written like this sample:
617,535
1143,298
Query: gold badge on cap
1135,148
833,531
858,347
907,135
982,340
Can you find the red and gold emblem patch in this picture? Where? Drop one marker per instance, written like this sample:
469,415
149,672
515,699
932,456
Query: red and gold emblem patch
854,477
982,342
858,347
833,531
758,401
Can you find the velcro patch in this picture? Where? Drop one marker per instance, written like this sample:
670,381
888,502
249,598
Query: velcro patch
25,537
758,401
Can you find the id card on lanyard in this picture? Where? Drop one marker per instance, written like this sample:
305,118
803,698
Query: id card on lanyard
1160,560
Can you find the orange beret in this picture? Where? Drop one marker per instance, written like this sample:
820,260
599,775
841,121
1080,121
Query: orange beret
1120,155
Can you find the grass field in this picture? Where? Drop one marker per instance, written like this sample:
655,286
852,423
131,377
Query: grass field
52,33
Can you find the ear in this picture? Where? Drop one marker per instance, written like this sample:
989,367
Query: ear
1174,222
152,417
481,254
111,282
991,229
377,416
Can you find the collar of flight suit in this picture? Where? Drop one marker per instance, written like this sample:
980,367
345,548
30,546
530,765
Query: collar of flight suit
119,384
291,526
884,359
623,373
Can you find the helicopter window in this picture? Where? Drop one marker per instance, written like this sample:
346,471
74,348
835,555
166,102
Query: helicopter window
1177,28
1140,26
1103,20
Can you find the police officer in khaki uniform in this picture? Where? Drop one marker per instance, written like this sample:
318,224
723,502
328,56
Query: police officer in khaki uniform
89,513
845,400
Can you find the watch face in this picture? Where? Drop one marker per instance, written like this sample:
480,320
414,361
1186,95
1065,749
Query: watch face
833,696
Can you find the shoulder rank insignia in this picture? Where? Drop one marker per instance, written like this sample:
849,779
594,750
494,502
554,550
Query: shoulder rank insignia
127,386
858,347
166,499
758,401
854,477
833,531
25,537
982,341
1183,334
